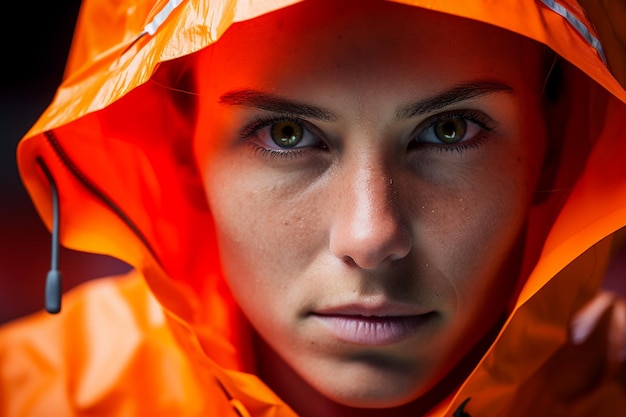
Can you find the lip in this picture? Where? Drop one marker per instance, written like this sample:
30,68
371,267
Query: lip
373,325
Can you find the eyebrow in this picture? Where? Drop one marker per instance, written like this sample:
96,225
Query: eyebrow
277,104
456,94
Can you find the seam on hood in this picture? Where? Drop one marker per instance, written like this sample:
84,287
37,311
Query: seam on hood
95,190
152,27
577,24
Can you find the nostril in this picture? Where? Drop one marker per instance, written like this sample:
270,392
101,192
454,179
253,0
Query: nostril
349,261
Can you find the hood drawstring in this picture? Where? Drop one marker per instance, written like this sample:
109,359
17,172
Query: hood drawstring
460,412
53,279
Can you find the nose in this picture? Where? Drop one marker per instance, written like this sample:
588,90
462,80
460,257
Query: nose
368,229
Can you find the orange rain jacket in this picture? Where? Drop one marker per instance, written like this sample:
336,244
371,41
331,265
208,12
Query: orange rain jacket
164,340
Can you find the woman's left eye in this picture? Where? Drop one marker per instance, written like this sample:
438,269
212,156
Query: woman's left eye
452,129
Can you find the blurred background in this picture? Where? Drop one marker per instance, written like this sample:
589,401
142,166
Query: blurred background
36,39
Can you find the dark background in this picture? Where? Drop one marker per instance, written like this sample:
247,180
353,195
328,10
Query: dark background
36,38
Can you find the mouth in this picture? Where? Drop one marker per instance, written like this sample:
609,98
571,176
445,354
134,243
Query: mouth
372,329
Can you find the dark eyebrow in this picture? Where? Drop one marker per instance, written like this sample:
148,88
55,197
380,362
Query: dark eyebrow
273,103
276,104
454,95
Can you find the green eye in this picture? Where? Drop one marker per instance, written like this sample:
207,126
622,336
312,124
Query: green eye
451,130
286,134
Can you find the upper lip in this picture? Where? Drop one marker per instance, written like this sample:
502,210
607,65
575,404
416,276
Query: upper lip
374,308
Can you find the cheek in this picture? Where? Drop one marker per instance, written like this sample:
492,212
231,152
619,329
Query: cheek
470,230
267,233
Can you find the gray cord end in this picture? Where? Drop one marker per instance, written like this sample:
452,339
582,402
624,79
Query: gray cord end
53,291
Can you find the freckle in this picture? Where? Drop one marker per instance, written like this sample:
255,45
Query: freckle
286,223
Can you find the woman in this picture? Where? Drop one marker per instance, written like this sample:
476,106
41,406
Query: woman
337,208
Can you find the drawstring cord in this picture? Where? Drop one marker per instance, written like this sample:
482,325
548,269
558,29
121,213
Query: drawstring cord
53,279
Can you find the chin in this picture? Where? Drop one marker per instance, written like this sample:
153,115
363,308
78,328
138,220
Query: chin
372,398
372,390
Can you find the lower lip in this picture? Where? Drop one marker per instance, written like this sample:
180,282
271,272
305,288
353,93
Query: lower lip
373,331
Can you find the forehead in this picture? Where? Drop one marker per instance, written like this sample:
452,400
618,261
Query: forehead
369,46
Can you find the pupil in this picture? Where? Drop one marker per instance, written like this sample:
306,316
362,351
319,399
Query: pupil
286,134
449,130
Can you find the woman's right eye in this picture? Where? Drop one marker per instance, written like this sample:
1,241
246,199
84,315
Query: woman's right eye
284,135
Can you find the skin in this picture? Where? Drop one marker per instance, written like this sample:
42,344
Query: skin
369,210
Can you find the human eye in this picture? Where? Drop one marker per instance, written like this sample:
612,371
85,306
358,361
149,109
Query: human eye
282,136
454,129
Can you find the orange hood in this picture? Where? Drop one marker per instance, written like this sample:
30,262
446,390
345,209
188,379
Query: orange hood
113,140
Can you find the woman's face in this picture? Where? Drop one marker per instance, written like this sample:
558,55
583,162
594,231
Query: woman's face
369,170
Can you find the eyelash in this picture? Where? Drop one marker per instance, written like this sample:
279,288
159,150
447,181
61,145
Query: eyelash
271,154
470,115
